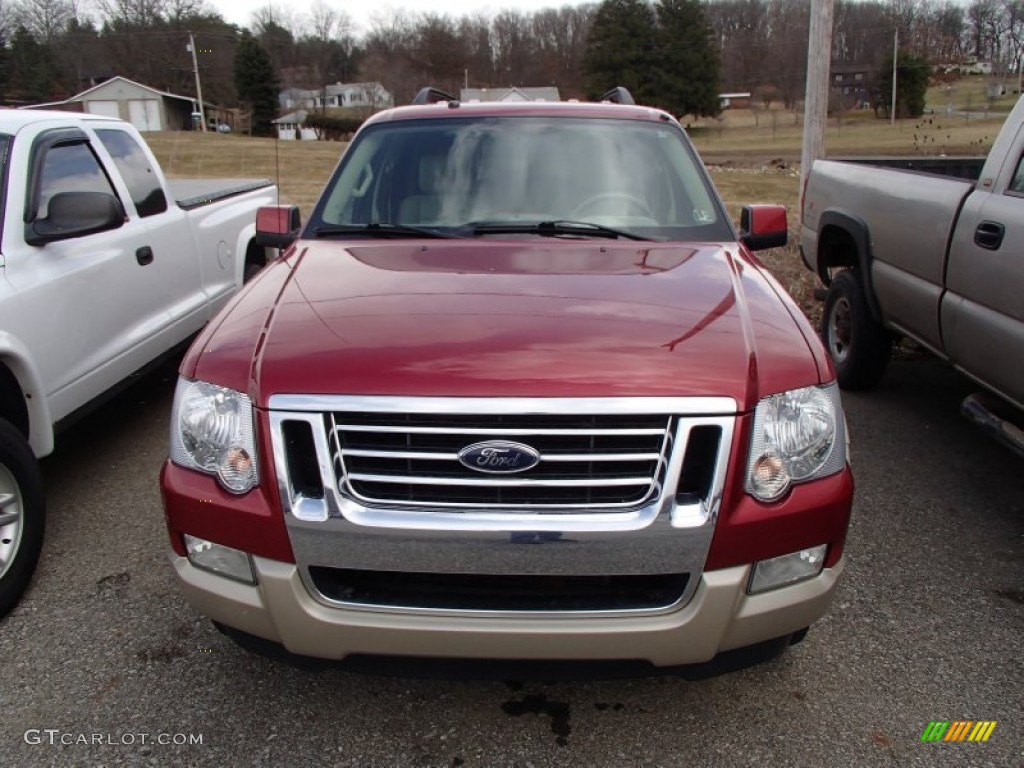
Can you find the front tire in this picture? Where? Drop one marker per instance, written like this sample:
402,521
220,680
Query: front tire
22,516
858,345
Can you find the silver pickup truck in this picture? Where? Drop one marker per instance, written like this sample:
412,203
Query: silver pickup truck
937,259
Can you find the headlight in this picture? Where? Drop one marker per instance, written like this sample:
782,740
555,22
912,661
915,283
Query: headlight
798,435
212,431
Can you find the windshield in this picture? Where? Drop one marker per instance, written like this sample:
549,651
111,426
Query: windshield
467,174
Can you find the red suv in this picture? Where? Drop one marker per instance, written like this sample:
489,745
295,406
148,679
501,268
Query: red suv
517,390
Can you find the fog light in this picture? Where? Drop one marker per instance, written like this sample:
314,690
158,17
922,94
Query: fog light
216,558
787,569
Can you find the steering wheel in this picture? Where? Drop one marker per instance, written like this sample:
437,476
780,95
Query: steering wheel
641,206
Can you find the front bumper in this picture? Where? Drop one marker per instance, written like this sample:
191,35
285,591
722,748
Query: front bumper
719,617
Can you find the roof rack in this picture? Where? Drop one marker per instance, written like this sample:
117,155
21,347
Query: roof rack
431,95
618,95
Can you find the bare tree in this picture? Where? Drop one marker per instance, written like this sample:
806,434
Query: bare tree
178,12
387,55
45,19
980,15
7,14
560,40
274,16
514,48
439,54
328,24
140,13
475,33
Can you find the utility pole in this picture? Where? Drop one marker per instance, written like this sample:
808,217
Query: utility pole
819,60
895,58
199,87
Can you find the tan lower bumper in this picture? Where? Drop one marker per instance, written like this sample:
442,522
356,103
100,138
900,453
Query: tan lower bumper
719,617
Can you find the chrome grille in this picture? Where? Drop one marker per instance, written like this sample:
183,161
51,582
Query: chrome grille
593,461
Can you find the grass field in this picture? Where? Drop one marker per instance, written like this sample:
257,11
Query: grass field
757,135
302,167
751,161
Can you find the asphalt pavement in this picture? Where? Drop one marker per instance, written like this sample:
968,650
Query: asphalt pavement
105,664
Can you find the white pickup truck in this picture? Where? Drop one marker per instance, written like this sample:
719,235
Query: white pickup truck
105,268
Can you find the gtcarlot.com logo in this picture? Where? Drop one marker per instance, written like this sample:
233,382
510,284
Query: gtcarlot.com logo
958,730
54,737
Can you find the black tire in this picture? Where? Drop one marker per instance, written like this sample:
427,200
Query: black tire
22,516
250,271
858,345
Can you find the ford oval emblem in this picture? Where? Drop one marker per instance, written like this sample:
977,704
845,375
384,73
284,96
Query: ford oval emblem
499,457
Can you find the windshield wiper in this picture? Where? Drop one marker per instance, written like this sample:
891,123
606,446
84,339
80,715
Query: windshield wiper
380,229
551,229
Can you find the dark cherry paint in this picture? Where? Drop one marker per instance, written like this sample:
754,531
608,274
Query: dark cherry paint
516,317
503,318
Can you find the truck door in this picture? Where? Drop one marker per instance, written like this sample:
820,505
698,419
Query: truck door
982,311
175,282
82,303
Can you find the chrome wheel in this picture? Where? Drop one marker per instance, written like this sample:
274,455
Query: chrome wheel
839,330
11,519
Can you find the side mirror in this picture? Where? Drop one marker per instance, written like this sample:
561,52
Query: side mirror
277,226
75,214
763,226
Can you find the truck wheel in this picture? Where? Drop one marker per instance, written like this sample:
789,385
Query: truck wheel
859,346
22,515
251,270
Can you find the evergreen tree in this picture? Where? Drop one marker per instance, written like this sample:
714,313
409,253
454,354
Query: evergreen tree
911,84
33,73
621,50
256,84
688,63
5,68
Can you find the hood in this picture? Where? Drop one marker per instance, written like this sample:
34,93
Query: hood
522,318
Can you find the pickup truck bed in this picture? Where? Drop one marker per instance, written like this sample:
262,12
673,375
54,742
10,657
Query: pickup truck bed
195,193
961,167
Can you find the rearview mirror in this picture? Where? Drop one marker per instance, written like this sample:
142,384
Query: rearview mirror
277,226
763,226
75,214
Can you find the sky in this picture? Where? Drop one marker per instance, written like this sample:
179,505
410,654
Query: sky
240,11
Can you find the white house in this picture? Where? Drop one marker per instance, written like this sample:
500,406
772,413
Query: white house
974,67
364,95
510,94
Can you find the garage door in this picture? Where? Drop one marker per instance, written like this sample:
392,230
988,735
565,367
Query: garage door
145,114
105,108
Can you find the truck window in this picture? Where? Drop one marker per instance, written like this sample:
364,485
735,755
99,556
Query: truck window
70,168
135,168
1017,183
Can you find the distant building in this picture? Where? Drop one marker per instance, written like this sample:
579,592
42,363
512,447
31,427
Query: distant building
974,67
734,100
293,126
851,82
363,95
852,79
148,109
546,93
